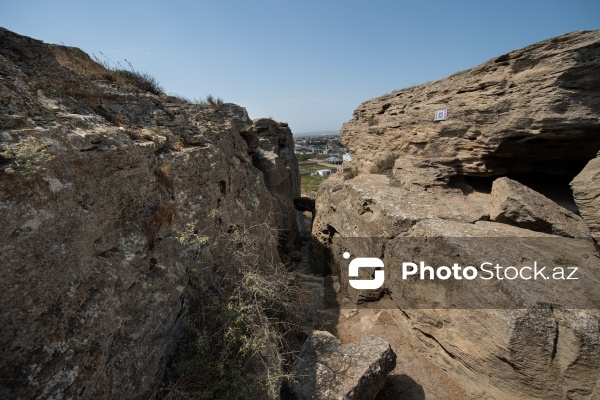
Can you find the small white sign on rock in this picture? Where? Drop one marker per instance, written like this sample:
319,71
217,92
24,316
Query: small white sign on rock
441,115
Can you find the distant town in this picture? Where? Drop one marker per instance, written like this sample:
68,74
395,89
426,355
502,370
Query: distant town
319,156
320,144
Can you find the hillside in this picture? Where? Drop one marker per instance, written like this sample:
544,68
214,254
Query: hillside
121,207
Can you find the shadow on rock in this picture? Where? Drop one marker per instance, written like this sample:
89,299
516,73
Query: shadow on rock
401,387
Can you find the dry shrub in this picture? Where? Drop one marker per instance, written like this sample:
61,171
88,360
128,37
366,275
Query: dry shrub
241,309
141,80
115,72
164,213
178,99
178,145
351,173
386,164
214,102
165,175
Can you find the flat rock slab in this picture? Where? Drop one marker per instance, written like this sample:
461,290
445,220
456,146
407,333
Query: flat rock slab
327,369
516,204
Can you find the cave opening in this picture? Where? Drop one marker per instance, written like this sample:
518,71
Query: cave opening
546,162
554,187
559,151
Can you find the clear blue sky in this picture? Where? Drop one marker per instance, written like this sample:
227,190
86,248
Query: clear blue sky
309,63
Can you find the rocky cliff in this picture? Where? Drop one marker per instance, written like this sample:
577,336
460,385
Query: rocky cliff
97,181
492,182
525,111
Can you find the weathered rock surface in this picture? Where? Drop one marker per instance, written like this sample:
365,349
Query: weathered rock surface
96,181
327,369
531,115
275,157
530,110
516,204
373,206
586,191
474,354
479,337
423,173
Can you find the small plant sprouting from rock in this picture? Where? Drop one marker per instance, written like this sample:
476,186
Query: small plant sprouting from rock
165,175
214,213
26,157
240,309
215,102
386,164
177,145
164,213
117,73
351,173
141,80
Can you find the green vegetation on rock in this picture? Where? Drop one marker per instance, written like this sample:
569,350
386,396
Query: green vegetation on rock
240,310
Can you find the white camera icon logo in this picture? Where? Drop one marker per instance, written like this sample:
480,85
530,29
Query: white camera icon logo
366,262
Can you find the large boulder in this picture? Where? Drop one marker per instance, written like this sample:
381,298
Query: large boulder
326,369
586,191
514,203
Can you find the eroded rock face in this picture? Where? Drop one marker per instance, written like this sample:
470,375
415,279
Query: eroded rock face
586,191
529,110
479,336
276,159
327,369
423,173
96,182
528,114
516,204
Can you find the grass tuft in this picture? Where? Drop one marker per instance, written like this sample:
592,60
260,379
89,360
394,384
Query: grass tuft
351,173
141,80
386,164
130,76
215,102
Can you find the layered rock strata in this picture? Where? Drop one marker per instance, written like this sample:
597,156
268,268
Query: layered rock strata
488,184
528,110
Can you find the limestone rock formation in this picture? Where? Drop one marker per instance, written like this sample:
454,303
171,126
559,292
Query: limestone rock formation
423,173
526,111
479,329
527,120
327,369
586,191
516,204
97,180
